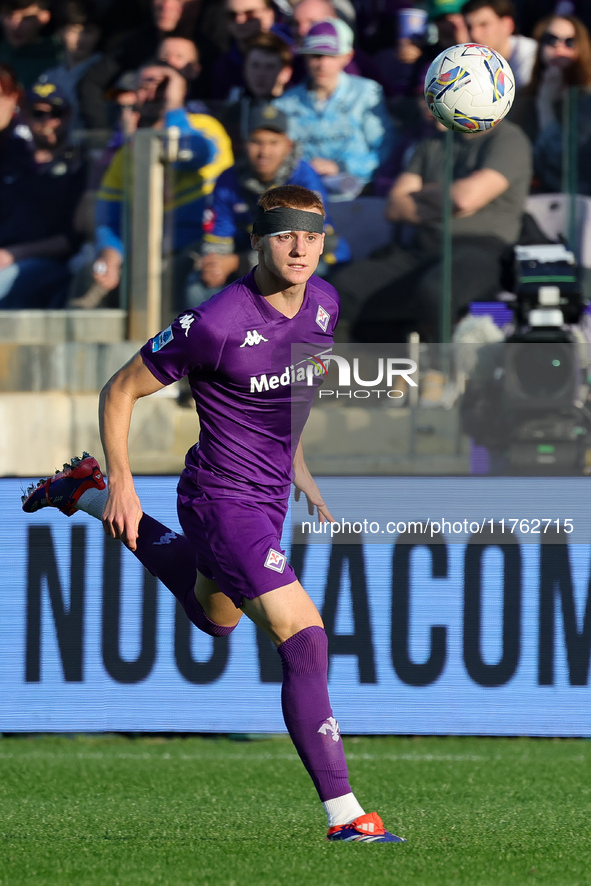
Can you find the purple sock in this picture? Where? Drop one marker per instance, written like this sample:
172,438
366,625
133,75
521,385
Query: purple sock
171,558
308,714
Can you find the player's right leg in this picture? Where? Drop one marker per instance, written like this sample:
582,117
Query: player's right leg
290,618
169,556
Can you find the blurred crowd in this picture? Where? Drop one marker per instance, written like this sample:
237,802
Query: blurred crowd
323,93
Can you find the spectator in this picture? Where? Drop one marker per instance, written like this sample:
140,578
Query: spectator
306,13
14,148
80,33
492,22
309,12
268,66
404,66
182,55
397,290
530,12
246,19
563,61
10,99
169,17
25,46
205,151
414,127
179,53
271,160
398,63
39,195
451,26
340,120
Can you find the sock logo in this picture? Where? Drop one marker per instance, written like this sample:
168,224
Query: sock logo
331,726
166,538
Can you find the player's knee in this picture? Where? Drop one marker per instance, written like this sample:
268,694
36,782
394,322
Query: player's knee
202,621
305,652
213,629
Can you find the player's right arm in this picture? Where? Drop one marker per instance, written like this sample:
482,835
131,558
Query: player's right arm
123,510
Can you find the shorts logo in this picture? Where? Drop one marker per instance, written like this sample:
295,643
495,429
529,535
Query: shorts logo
253,338
322,318
161,339
275,561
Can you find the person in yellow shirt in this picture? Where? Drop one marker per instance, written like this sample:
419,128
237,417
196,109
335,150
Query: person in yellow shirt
205,152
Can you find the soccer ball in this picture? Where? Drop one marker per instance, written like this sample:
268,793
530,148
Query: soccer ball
469,87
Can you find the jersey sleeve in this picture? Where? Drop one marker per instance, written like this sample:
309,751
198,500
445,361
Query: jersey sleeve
189,344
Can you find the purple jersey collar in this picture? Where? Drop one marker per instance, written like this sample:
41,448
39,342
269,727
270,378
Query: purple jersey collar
267,310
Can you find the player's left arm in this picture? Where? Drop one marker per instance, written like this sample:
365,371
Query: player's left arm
305,482
475,191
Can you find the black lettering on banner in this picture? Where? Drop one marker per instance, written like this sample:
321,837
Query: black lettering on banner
503,670
198,672
118,668
69,621
410,672
556,580
360,642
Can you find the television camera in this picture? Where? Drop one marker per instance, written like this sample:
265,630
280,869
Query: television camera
526,399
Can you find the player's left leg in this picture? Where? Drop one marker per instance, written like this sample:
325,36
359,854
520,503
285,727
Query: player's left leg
290,618
165,553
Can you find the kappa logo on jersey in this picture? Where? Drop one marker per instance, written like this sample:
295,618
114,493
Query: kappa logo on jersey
162,339
322,318
253,338
331,726
166,538
275,561
185,322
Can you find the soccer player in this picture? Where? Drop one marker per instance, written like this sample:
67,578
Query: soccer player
236,350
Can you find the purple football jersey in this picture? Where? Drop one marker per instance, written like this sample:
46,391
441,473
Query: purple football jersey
251,397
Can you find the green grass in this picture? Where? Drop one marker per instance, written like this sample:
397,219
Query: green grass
116,810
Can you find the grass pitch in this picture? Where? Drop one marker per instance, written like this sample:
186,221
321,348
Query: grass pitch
214,812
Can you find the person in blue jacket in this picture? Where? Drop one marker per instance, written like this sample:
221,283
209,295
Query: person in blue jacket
204,152
271,159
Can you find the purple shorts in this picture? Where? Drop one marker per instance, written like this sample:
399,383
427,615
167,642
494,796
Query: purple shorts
237,543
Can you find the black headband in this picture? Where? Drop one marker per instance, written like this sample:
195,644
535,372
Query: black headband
282,218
